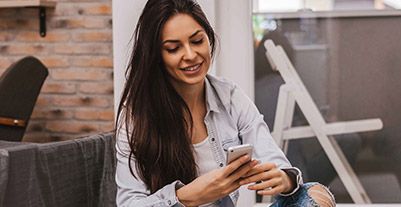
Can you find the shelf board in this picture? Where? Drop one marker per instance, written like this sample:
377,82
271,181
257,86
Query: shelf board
26,3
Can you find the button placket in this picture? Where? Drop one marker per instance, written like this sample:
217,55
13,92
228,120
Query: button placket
213,140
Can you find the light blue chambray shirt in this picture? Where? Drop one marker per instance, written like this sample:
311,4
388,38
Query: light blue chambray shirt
231,119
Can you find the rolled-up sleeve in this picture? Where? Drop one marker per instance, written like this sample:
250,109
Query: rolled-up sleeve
131,191
253,130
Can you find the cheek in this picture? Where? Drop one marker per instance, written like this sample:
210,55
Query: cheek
206,53
169,61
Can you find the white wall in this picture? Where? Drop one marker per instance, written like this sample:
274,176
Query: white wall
125,15
234,60
234,27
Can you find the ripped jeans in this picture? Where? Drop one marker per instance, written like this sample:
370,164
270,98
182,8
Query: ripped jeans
301,198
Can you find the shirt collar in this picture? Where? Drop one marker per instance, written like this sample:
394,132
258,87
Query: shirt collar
217,93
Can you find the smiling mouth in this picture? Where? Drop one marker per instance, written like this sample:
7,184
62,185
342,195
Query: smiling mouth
192,68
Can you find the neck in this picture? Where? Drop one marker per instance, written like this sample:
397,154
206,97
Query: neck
193,95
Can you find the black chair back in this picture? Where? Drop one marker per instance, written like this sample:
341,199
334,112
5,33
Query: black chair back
20,86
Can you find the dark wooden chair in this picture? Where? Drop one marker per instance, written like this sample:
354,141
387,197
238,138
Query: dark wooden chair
20,85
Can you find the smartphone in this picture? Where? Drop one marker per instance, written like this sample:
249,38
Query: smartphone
235,152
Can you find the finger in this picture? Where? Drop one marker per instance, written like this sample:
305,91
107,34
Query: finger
260,168
242,171
234,186
266,184
255,170
261,176
255,178
234,165
271,191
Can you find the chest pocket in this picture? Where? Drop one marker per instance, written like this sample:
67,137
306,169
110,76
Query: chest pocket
229,142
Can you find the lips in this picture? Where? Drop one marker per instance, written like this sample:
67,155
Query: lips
192,68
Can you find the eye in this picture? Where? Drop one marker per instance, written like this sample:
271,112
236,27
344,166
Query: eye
172,50
198,42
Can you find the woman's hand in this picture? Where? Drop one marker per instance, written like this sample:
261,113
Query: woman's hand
273,180
215,184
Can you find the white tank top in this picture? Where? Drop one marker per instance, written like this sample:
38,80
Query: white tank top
205,161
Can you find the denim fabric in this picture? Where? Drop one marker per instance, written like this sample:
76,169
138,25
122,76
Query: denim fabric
231,119
299,199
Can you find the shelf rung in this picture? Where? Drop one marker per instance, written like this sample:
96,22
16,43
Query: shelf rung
334,128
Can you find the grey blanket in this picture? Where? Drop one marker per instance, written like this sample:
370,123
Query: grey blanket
70,173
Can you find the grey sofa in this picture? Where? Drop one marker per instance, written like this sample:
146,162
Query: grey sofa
69,173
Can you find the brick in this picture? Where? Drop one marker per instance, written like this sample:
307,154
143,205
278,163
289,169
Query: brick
38,114
84,8
80,74
19,24
43,100
51,36
64,137
87,114
79,101
107,115
76,23
52,113
97,9
6,36
38,137
54,61
72,126
59,114
67,9
101,62
96,87
94,114
92,49
92,36
36,126
5,62
59,88
7,12
26,12
23,49
106,127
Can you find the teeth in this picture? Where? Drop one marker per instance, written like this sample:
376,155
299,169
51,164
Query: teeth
191,68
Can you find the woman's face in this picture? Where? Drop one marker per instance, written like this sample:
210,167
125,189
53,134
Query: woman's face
185,50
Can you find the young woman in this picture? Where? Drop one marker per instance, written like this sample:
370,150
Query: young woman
176,121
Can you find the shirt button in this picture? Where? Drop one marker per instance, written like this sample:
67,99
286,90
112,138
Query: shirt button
169,202
212,139
221,165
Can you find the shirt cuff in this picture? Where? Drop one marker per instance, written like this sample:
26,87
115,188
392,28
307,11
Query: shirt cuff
296,177
177,203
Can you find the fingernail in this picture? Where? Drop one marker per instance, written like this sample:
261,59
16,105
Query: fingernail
246,157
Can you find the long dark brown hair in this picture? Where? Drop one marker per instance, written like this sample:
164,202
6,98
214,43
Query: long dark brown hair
151,110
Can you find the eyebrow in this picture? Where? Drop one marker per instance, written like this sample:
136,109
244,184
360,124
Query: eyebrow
176,41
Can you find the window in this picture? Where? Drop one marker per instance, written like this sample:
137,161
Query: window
347,54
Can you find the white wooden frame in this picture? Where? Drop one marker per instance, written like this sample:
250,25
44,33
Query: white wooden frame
294,91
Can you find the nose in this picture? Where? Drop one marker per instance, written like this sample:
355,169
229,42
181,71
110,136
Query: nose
189,53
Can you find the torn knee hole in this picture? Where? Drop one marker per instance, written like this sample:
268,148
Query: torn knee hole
321,196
